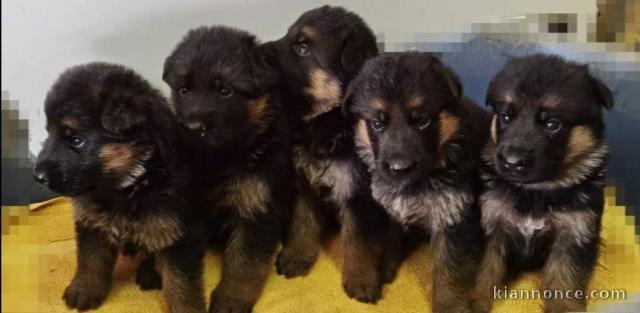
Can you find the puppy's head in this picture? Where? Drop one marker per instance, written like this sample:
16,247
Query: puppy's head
220,87
321,52
547,121
98,118
408,108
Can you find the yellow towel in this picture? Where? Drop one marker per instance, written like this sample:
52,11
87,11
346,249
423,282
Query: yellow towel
38,261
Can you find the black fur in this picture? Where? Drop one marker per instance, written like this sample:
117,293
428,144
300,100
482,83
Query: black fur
421,140
544,174
318,57
113,148
223,95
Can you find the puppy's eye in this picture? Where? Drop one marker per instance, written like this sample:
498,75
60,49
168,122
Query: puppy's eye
225,92
552,125
423,123
302,49
75,141
377,125
505,118
183,91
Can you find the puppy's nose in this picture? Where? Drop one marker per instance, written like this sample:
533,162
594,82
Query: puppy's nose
400,166
515,161
40,176
197,128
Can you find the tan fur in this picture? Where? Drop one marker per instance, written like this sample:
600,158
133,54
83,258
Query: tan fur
448,294
379,105
248,195
180,71
362,135
550,101
68,122
325,90
494,129
153,232
559,273
415,101
117,157
309,32
449,125
361,260
581,141
181,295
492,272
256,111
304,238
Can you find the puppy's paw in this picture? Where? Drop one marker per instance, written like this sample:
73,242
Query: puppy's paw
147,278
364,288
85,294
291,264
222,302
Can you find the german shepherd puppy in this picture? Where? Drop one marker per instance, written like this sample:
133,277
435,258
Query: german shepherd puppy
421,140
544,180
320,54
223,97
113,148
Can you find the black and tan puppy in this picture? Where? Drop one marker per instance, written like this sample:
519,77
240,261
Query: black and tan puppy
543,197
320,54
421,140
113,149
222,92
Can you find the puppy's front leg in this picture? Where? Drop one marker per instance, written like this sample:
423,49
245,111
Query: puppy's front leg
568,268
247,262
364,227
181,268
302,243
492,271
96,257
456,251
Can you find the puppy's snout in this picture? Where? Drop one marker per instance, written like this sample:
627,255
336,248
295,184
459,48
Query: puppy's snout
40,175
400,166
516,159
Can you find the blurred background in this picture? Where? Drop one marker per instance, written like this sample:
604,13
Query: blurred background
42,38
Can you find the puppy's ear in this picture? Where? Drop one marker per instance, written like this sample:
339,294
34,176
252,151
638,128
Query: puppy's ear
265,67
173,73
450,77
357,48
603,92
121,117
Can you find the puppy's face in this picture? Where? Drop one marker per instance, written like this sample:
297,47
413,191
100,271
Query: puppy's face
95,122
220,87
408,110
321,52
547,120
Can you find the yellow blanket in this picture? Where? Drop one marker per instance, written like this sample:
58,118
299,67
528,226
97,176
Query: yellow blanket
38,261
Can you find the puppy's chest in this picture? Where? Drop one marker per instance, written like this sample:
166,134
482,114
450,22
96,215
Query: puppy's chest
245,195
330,177
431,208
150,231
499,212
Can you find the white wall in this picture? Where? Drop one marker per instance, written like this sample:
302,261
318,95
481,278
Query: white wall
42,38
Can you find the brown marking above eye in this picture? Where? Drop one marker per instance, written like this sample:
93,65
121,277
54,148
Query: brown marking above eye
326,92
550,101
379,104
256,110
118,157
68,122
181,71
449,125
415,101
362,134
309,32
581,142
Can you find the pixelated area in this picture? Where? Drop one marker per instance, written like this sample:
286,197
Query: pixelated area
15,153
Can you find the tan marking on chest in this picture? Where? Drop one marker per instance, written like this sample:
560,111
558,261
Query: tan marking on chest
247,195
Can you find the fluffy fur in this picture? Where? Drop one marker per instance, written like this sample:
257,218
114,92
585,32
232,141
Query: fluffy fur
224,100
318,57
113,148
544,176
420,139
